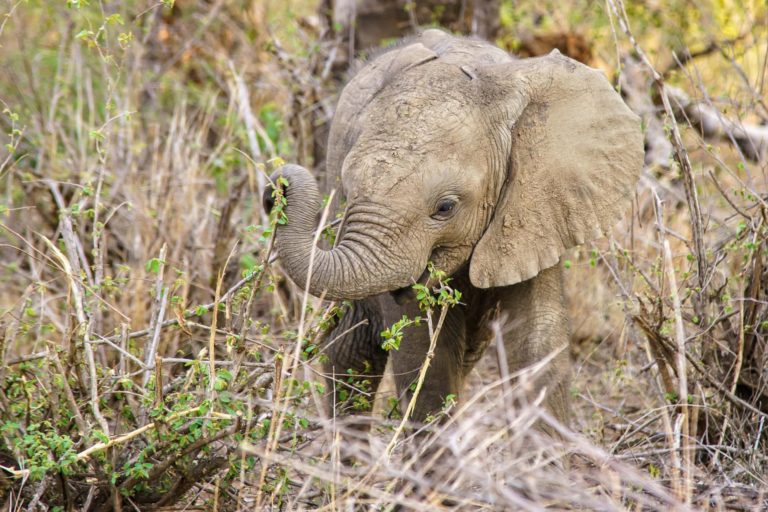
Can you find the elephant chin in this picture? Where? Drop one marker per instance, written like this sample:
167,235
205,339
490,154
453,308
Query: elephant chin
450,261
403,295
407,293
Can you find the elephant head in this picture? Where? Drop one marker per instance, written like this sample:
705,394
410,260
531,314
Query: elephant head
449,150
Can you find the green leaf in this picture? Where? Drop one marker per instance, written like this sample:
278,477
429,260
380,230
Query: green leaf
154,265
101,436
85,34
220,384
124,39
114,19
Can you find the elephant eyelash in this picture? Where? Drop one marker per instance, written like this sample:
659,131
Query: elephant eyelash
445,209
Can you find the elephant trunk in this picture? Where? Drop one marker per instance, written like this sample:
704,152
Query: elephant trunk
359,266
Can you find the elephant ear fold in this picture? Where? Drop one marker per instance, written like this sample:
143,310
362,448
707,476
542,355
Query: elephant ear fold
358,93
575,154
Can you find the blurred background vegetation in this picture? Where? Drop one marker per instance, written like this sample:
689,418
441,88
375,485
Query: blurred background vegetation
152,355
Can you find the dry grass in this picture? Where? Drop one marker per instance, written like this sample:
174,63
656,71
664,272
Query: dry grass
153,357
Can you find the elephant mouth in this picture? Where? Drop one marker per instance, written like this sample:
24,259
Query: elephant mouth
407,293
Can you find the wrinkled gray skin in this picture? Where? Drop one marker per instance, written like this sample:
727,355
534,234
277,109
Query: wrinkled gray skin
535,156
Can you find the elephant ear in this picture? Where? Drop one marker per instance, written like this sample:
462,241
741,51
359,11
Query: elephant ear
375,75
575,154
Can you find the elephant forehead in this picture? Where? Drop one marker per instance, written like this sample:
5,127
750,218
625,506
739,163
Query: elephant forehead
417,101
399,170
416,129
417,124
379,169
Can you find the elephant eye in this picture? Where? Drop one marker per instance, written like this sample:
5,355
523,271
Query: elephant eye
444,209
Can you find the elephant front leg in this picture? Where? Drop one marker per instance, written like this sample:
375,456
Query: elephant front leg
536,330
444,375
355,360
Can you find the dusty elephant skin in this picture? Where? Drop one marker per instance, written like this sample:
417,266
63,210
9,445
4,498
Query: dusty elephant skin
451,151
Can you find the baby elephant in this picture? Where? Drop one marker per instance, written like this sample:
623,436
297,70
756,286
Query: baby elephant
450,151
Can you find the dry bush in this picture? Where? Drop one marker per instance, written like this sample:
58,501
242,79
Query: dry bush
153,356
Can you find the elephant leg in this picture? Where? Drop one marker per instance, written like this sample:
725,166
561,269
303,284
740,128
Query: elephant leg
355,360
444,376
536,328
